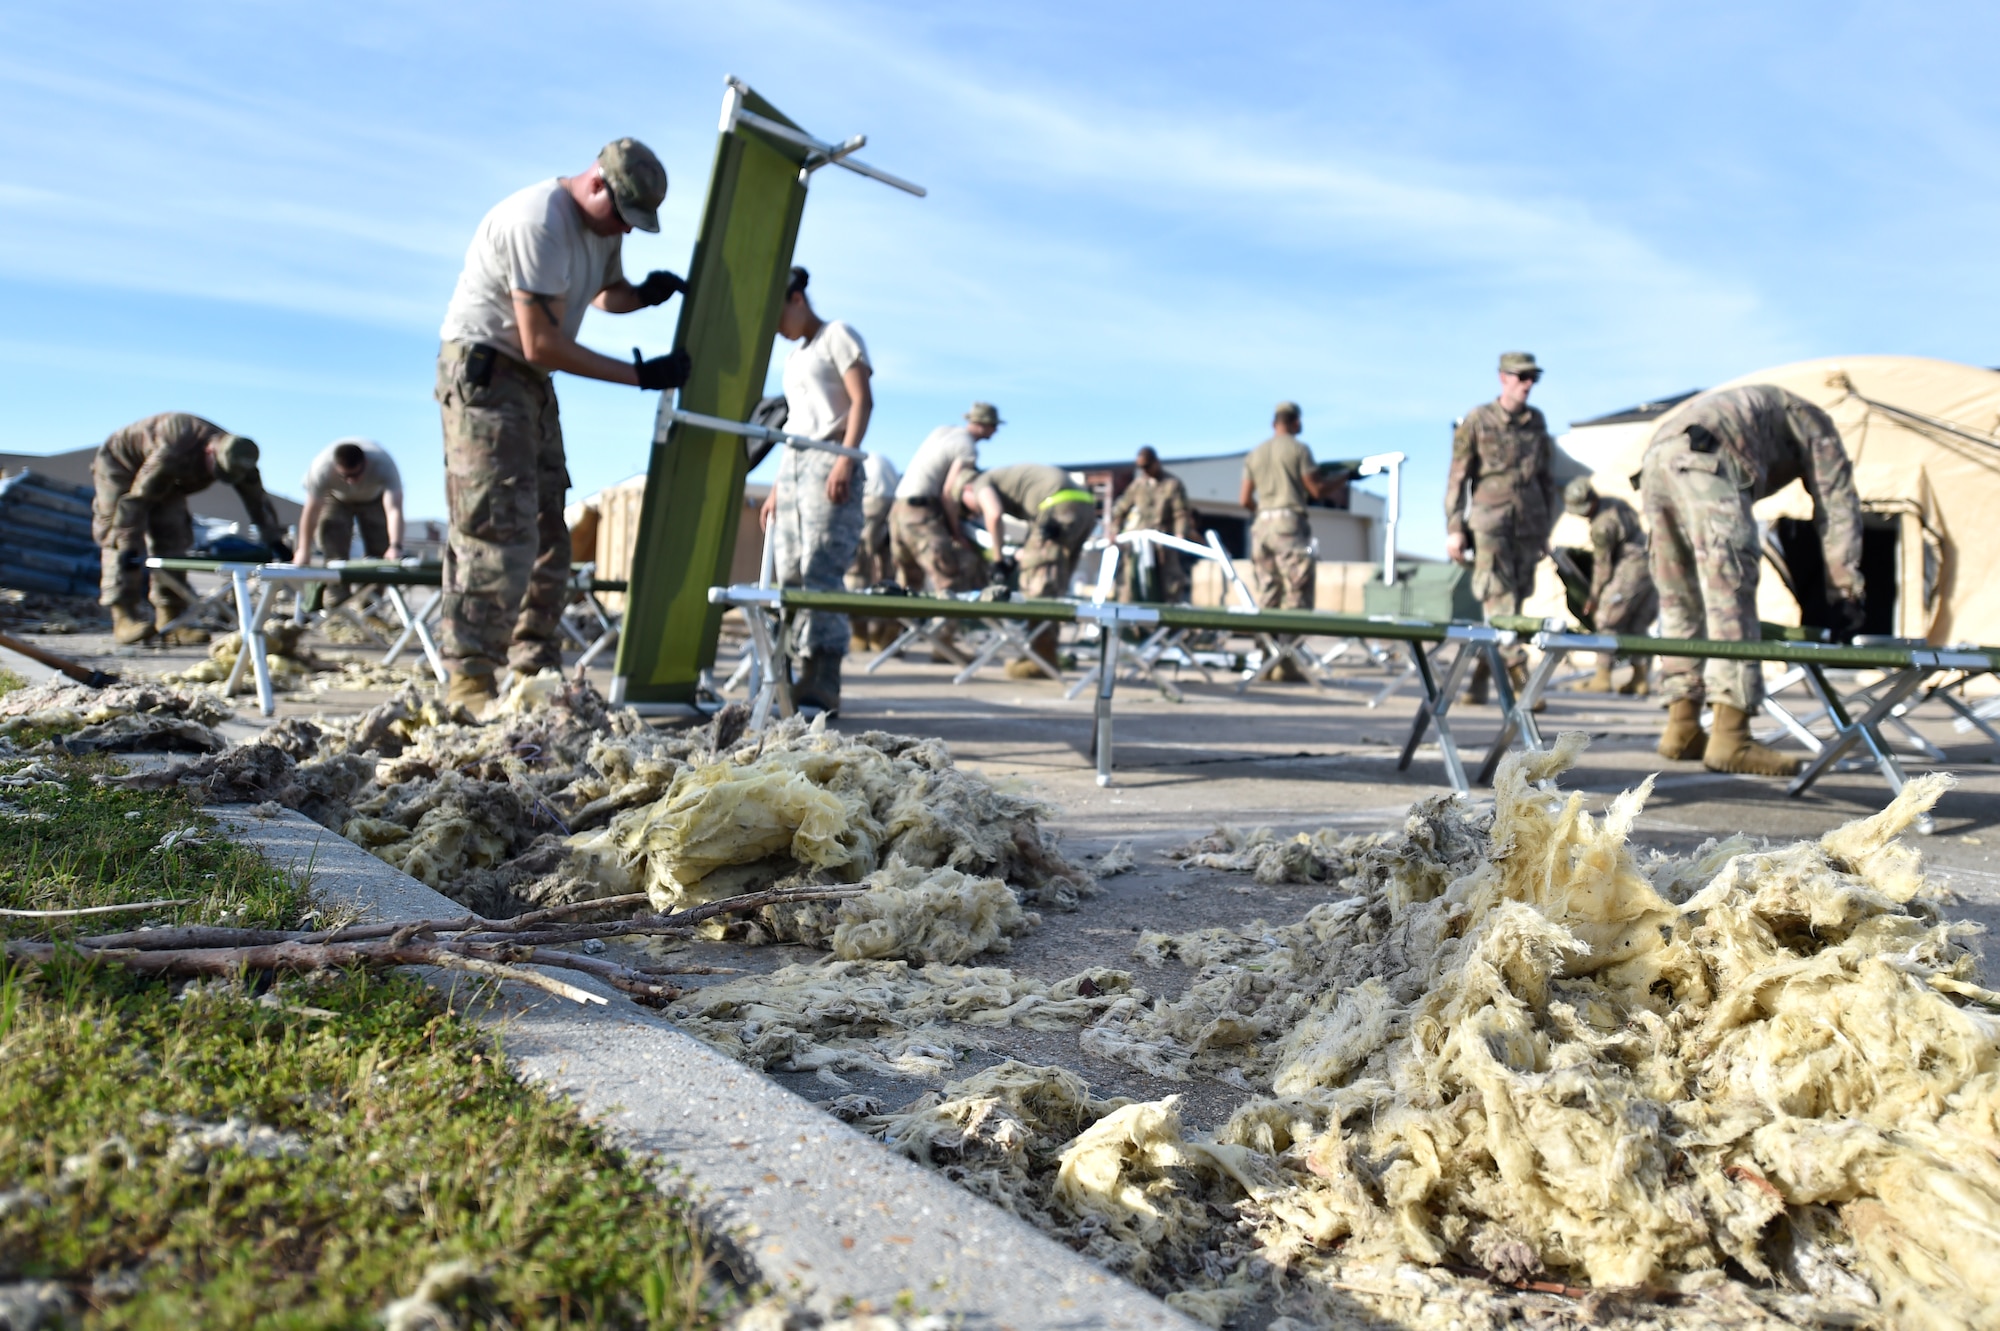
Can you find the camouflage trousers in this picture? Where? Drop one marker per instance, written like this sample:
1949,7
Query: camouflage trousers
1705,557
815,540
163,531
1628,603
872,563
334,533
1281,555
1167,581
1056,537
927,555
506,559
1504,556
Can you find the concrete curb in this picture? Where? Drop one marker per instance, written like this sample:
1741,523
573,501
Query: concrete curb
827,1214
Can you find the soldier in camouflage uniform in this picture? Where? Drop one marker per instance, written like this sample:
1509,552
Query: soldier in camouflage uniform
1060,518
144,474
1500,499
540,258
1622,599
1708,462
931,551
1154,501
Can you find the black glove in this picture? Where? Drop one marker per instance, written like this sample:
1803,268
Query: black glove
1849,616
281,550
661,372
660,287
1004,569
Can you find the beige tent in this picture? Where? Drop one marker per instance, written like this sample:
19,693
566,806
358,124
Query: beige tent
1924,437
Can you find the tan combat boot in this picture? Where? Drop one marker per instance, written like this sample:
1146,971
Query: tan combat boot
475,693
1475,692
1601,681
184,636
1730,748
1641,683
1683,738
1518,677
129,628
1042,645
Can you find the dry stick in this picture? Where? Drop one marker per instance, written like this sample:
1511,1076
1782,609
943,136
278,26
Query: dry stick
453,961
119,909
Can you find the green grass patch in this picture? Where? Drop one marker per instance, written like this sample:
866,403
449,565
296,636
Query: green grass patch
203,1155
11,680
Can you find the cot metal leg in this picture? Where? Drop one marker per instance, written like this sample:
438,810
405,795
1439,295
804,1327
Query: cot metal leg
250,640
1968,717
917,630
603,643
765,693
1794,727
1519,716
413,625
1864,731
1435,709
1107,681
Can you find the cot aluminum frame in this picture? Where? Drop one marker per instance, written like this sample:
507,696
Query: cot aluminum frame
1909,668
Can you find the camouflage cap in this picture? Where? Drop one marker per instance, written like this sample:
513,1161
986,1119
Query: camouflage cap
984,413
1288,410
235,457
1578,494
638,182
1521,363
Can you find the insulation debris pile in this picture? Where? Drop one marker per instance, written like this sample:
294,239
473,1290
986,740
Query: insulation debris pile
290,667
557,798
1545,1060
122,718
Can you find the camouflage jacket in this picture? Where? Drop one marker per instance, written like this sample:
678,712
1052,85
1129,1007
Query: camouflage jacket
1160,505
1502,461
1774,437
1618,550
161,458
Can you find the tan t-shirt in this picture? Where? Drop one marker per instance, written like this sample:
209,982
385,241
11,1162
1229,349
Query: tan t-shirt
816,399
1277,469
378,474
534,240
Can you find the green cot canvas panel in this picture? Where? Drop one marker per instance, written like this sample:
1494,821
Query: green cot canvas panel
694,477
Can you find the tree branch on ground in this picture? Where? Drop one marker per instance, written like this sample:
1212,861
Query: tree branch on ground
499,948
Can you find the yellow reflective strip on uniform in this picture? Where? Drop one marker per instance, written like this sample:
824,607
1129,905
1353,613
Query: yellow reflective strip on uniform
1066,497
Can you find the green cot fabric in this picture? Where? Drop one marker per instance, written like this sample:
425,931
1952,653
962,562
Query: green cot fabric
694,479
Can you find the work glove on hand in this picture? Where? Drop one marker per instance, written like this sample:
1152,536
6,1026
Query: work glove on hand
661,372
660,287
1849,616
1004,569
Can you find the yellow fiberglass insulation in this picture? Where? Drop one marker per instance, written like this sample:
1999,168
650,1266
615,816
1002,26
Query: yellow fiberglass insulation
1557,1062
909,914
810,801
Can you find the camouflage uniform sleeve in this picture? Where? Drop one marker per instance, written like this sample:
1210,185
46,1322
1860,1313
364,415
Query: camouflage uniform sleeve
261,510
1123,508
1464,462
1829,478
1545,476
1180,516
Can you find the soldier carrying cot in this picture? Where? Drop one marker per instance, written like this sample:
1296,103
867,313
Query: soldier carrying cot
1708,462
144,475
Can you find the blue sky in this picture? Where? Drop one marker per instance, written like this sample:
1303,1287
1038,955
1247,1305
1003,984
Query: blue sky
1146,222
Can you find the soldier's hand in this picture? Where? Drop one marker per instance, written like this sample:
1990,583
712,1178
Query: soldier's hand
1004,569
662,372
840,481
1454,547
660,287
